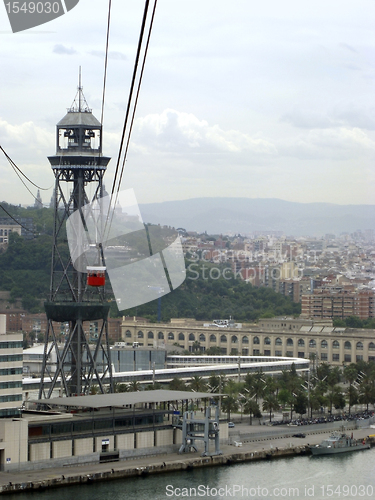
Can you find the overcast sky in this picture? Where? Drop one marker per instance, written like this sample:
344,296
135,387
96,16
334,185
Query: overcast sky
244,98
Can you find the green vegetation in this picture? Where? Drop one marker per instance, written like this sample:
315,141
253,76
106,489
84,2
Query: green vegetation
205,298
25,272
354,322
330,387
42,217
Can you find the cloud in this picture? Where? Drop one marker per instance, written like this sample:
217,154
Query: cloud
28,146
307,119
344,116
348,47
61,49
183,132
119,56
333,144
28,135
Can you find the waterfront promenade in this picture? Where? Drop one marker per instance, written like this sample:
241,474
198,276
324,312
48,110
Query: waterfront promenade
260,442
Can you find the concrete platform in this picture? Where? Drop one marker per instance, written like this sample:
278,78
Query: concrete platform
266,447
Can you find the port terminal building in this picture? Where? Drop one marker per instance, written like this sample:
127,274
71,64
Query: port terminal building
99,428
283,337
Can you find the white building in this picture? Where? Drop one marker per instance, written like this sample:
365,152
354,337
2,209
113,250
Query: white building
10,371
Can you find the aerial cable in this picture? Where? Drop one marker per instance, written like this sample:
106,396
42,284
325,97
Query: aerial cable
130,95
29,190
130,100
20,171
137,96
105,63
15,220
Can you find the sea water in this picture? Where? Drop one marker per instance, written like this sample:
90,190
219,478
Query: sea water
349,475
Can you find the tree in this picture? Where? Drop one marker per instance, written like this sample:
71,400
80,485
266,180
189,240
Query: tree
285,397
270,403
213,351
256,385
352,396
333,395
366,394
197,384
121,387
272,384
196,347
134,386
176,384
229,405
339,401
322,371
251,408
154,387
315,400
300,404
350,375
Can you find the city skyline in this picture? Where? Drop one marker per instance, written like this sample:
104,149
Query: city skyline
261,101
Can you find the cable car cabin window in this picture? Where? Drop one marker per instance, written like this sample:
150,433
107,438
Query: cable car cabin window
96,276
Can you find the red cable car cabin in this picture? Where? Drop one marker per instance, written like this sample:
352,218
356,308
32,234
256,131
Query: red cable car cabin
95,276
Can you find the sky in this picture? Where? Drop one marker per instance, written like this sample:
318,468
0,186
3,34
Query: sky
239,99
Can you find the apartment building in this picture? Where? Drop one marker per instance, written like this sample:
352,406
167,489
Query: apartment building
338,303
10,371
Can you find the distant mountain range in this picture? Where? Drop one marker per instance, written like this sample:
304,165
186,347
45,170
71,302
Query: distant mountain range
246,215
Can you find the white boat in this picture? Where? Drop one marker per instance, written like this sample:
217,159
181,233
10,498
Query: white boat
339,443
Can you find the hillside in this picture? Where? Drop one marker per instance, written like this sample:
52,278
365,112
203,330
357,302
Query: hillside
246,215
208,299
25,273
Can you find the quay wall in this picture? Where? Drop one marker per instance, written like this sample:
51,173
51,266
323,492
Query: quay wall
183,462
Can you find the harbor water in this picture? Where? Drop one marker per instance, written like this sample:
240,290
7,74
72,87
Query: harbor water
349,475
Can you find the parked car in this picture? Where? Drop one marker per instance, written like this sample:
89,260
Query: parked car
230,425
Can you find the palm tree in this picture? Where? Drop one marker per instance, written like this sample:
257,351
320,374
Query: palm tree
258,386
196,347
270,403
154,387
313,357
197,384
272,385
315,400
251,408
120,387
352,396
333,395
134,386
176,384
229,405
366,394
285,398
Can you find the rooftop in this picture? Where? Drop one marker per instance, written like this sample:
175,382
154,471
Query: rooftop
123,399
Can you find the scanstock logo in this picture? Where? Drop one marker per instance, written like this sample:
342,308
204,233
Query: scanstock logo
143,262
26,14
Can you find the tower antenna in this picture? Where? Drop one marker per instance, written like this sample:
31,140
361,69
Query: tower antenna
79,91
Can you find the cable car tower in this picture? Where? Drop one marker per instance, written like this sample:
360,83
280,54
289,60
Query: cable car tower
76,297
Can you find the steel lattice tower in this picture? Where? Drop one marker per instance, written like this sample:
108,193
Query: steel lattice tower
79,167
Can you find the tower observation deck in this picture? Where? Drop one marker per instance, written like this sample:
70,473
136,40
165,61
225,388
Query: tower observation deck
79,167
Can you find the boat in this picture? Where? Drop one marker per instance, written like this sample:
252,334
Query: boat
339,443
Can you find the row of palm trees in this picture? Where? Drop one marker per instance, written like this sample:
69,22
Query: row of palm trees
327,388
